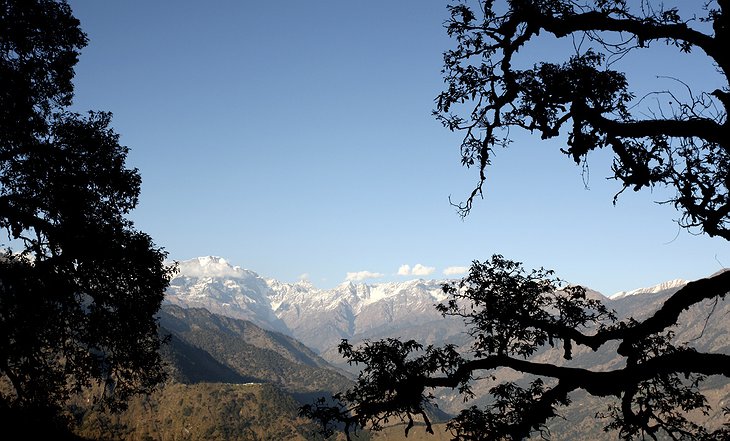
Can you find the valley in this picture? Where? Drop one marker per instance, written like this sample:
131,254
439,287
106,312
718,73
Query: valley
240,360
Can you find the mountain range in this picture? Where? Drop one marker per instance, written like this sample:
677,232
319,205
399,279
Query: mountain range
240,361
317,317
321,318
228,380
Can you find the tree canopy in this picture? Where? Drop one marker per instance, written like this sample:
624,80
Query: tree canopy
681,143
79,285
510,313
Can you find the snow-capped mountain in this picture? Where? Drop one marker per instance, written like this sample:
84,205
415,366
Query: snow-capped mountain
216,285
671,285
321,318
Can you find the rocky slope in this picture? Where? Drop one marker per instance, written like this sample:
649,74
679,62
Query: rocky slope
239,351
319,318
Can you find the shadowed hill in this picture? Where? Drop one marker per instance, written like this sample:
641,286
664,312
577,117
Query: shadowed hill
239,348
229,380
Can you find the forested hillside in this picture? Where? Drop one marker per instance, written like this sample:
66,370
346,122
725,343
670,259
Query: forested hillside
229,380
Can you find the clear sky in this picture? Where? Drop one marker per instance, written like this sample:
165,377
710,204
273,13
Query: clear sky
296,139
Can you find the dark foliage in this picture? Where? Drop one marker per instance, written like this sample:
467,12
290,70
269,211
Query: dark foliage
79,286
681,144
511,313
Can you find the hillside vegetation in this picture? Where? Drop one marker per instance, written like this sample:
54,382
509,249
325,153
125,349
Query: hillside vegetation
204,344
232,380
204,411
229,380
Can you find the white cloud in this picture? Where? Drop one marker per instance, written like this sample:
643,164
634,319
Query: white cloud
359,276
304,276
455,270
209,266
417,270
421,270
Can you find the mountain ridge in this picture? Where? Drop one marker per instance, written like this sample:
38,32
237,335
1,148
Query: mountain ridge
321,318
234,380
674,285
219,267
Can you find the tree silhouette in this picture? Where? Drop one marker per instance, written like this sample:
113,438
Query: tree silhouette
510,313
79,286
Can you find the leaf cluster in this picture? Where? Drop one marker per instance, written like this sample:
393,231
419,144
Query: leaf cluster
505,417
487,297
511,314
673,140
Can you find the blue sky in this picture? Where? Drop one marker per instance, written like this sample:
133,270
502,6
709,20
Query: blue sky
295,139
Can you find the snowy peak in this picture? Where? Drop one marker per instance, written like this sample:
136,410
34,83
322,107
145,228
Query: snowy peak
675,285
212,266
319,317
430,290
355,295
322,317
213,283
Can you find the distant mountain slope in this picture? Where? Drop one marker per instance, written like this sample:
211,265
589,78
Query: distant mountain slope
322,318
230,380
357,311
190,364
243,352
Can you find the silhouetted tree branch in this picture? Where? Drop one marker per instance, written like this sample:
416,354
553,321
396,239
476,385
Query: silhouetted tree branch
397,376
510,313
685,149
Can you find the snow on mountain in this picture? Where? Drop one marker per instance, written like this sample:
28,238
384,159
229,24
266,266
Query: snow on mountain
674,285
211,266
320,318
216,285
